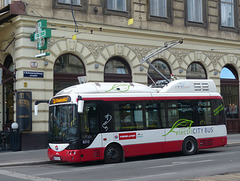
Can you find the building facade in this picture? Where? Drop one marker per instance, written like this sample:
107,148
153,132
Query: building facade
106,41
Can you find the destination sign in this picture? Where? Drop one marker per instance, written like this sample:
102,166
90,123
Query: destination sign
62,99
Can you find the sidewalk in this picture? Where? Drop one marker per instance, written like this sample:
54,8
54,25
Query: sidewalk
233,140
32,157
11,158
227,177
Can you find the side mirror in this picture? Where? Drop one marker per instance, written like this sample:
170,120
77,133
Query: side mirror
36,110
36,105
80,106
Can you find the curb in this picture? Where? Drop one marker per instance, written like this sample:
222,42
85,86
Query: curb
220,177
25,163
233,144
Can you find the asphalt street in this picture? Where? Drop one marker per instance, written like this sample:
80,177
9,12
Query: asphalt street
38,159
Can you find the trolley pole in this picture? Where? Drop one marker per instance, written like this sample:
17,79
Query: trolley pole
166,46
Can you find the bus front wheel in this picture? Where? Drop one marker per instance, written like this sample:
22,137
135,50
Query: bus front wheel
189,146
113,154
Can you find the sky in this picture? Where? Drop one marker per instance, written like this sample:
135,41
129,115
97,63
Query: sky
227,74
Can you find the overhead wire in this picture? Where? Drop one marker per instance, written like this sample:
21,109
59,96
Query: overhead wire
76,26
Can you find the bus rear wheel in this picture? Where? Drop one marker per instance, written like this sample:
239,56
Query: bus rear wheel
113,154
189,146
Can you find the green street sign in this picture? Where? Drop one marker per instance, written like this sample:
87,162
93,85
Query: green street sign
41,35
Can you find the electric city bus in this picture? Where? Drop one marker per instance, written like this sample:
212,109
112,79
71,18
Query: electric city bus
112,121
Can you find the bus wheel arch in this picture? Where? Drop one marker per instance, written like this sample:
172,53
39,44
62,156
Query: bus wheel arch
113,153
189,146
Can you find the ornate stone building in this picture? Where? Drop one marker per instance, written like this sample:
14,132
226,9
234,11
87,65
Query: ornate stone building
97,39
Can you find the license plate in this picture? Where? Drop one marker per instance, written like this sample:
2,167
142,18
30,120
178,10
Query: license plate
57,158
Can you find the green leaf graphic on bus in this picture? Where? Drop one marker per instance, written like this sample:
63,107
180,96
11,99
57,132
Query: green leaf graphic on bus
120,88
218,110
179,124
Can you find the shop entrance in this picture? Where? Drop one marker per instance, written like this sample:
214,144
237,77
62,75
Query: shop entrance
7,102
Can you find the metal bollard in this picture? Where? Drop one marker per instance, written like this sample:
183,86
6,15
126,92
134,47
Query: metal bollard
15,138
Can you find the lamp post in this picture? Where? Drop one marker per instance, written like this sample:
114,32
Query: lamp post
15,137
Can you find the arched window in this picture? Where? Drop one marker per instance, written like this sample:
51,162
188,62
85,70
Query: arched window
196,71
230,91
117,70
67,69
163,67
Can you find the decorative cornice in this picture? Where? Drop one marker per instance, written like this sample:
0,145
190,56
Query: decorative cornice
95,48
179,54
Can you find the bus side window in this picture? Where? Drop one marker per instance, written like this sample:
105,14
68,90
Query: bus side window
173,114
123,116
181,109
116,118
126,122
219,116
138,117
186,109
204,113
128,116
153,116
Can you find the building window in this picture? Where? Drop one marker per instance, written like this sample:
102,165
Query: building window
79,5
196,13
74,2
117,70
67,69
6,2
227,13
163,67
117,5
158,8
196,71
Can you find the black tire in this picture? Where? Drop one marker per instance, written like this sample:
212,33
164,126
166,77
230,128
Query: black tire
113,154
189,146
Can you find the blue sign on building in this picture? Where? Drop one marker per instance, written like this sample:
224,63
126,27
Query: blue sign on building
33,74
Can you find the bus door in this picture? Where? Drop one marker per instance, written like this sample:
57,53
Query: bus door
107,122
90,124
155,122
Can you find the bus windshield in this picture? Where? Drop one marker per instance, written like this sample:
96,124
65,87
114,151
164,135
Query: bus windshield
63,123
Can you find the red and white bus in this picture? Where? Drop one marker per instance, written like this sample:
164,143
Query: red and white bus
111,121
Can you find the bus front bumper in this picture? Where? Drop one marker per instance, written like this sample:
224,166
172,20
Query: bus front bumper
65,155
75,155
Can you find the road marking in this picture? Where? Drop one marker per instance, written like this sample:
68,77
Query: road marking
24,176
160,166
179,163
200,161
147,176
